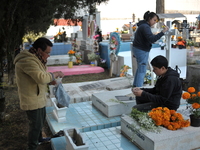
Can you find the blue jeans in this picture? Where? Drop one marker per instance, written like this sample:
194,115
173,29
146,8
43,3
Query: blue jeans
142,61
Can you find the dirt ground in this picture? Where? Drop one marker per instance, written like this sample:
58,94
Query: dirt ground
13,130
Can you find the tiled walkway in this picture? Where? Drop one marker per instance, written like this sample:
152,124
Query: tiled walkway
82,116
105,139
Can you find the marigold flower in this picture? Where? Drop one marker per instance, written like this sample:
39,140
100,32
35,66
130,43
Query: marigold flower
186,95
191,90
168,118
122,75
194,95
170,127
198,94
172,112
195,105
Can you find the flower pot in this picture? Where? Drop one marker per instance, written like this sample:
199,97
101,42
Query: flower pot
192,48
70,64
180,46
75,140
195,122
92,63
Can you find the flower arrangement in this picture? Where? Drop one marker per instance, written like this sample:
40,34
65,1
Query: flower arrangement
134,28
92,56
113,43
170,119
74,45
124,70
192,28
61,36
190,43
193,100
145,122
181,43
117,30
162,44
71,54
147,77
78,56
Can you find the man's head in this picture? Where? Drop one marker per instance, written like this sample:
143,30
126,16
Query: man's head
160,65
43,46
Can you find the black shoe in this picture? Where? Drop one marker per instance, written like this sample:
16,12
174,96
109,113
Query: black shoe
44,140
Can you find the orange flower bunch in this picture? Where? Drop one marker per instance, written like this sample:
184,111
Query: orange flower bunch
180,41
193,99
71,52
170,119
124,70
179,38
134,28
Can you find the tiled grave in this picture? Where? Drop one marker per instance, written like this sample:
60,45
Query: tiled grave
182,139
105,139
109,105
81,92
82,116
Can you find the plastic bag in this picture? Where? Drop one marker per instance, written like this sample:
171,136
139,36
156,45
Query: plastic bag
62,96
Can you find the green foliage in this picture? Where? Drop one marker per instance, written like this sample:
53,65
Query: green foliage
92,56
190,43
144,121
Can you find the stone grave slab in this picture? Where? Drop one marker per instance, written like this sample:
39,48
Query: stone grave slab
182,139
120,83
108,104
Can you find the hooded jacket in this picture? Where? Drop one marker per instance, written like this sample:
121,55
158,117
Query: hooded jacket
167,91
32,78
144,37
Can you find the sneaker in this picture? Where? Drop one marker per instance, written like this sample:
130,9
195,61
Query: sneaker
44,140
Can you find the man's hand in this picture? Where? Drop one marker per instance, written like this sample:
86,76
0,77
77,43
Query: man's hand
59,74
137,91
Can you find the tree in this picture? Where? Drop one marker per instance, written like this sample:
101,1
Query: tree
19,17
160,6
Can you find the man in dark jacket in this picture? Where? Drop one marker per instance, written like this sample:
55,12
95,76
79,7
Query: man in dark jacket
167,91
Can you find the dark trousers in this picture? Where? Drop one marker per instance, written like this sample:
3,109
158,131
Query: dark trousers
36,121
144,105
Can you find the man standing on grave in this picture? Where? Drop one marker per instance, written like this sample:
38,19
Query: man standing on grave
32,79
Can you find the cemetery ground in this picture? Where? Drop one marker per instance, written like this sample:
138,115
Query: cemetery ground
13,131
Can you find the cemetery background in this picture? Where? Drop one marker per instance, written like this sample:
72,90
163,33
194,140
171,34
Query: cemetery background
16,120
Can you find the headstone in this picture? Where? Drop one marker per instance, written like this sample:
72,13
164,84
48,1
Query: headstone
185,138
110,106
